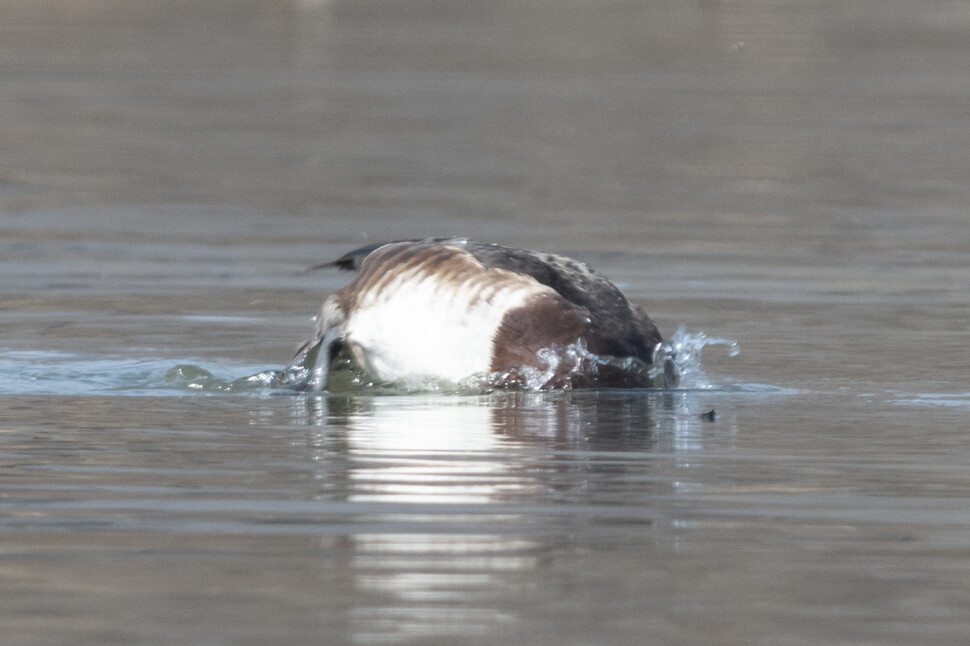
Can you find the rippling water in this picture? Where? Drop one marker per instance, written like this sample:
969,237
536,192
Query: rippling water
792,176
63,373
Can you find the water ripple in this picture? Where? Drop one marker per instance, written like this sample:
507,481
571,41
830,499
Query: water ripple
63,373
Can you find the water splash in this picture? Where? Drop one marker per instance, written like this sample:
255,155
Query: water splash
677,365
683,351
558,364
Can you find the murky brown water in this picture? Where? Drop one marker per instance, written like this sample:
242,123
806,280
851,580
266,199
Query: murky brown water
793,175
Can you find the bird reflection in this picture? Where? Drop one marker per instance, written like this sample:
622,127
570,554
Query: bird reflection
455,449
455,497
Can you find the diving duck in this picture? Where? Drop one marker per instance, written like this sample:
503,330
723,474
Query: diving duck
453,310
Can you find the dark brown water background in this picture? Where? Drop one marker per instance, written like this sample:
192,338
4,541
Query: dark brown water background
791,174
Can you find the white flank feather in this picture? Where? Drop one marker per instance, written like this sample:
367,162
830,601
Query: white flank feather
419,326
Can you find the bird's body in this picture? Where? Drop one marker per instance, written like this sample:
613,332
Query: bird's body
453,310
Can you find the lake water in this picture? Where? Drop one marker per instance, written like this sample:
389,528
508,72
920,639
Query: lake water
792,175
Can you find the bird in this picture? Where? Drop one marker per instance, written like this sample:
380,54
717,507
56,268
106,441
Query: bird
454,310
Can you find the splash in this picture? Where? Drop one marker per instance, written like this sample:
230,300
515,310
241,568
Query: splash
559,364
676,365
683,351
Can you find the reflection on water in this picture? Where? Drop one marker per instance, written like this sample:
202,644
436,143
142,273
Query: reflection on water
427,586
590,420
469,489
948,400
410,518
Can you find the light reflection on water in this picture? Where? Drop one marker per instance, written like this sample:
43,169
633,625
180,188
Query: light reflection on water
434,585
422,517
440,506
946,400
405,447
445,464
25,372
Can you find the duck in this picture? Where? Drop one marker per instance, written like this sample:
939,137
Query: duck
453,310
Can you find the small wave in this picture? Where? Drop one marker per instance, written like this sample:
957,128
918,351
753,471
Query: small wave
936,400
41,372
196,378
677,365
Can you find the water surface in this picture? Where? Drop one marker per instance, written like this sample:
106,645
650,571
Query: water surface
790,175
